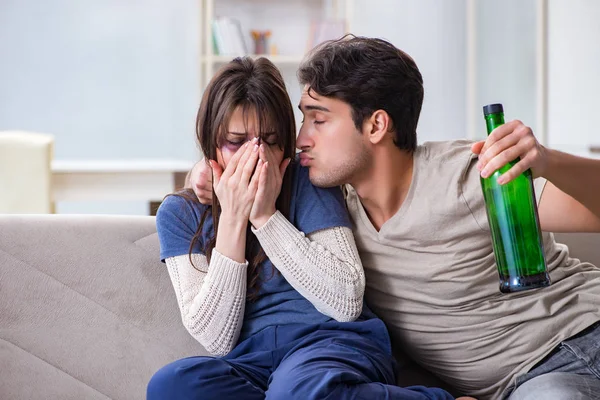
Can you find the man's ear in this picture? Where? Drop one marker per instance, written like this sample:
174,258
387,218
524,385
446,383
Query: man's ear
377,126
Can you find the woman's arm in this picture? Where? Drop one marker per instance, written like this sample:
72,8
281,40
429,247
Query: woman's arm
324,267
211,298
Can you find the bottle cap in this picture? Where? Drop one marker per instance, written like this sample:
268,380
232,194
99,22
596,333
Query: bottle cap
492,109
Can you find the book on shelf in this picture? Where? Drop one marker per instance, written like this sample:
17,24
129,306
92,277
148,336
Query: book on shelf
228,38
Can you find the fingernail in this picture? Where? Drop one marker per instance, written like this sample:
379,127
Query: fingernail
479,164
484,173
255,140
255,148
501,180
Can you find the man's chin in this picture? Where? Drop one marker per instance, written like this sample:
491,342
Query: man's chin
320,179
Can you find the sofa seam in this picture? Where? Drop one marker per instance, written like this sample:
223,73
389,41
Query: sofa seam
142,238
55,366
88,298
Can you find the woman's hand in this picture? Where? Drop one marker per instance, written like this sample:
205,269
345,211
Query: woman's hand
269,186
236,186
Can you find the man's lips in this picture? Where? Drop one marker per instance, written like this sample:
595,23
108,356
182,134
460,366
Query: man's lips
304,159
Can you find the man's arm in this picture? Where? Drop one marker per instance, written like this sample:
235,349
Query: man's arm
571,200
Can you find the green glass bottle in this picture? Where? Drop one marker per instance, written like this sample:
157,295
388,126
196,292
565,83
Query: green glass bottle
514,223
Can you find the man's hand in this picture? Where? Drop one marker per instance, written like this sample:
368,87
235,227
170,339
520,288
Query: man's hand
200,181
505,144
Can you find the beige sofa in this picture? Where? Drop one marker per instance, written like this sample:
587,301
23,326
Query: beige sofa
87,310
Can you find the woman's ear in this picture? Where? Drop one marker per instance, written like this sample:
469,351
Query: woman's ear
377,126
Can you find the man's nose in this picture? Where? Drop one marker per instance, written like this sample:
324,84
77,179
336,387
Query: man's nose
303,141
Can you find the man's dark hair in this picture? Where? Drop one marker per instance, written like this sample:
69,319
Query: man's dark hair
369,74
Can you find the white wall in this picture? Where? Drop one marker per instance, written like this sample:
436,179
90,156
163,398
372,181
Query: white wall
433,33
573,74
120,79
506,59
110,79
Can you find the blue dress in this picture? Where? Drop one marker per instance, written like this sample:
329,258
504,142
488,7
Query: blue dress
287,348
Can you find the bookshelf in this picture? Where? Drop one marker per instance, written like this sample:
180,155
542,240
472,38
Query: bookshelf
289,21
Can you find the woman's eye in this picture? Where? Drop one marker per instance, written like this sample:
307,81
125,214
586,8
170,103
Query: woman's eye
319,122
236,143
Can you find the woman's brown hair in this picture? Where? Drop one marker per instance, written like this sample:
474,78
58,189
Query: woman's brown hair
258,87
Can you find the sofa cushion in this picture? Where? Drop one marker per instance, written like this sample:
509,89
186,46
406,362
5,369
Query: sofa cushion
86,308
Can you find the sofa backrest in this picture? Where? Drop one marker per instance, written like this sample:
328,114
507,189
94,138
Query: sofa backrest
87,310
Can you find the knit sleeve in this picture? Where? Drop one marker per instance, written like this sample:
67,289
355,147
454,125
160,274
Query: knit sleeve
324,267
211,298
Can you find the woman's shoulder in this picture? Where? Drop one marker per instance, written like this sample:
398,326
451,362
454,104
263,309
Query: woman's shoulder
182,201
314,208
180,208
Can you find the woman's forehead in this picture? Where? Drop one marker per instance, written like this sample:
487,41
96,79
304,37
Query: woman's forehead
247,121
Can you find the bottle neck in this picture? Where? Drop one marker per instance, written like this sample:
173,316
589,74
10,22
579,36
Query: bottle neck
492,121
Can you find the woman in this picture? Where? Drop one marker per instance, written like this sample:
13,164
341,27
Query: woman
268,278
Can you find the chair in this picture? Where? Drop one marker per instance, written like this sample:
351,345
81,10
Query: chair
25,172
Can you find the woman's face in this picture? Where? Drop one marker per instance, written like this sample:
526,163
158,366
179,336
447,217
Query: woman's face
241,130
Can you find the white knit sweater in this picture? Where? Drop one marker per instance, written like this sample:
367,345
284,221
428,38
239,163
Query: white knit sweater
324,267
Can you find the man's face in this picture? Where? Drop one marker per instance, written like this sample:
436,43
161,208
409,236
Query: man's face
332,148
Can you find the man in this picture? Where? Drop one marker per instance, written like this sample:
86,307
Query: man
421,229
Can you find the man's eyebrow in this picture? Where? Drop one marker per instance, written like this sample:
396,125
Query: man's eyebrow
311,107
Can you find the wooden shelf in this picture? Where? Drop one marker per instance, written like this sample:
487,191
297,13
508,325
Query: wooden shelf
277,59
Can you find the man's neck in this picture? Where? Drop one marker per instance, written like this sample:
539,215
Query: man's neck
384,188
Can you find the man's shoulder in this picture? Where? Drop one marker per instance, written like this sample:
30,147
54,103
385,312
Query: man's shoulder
446,151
